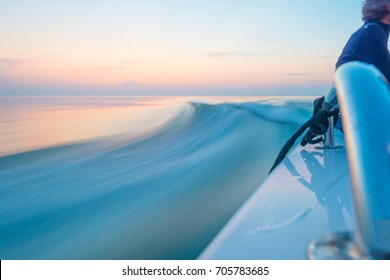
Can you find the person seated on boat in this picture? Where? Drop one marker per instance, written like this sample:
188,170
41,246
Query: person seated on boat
369,43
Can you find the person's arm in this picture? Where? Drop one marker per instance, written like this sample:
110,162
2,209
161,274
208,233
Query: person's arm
373,49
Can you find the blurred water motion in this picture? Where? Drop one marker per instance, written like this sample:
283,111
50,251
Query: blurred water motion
131,178
28,123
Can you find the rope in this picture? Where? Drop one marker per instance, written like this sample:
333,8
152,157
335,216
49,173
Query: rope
317,124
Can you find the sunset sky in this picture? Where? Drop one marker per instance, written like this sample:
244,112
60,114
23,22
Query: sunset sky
172,47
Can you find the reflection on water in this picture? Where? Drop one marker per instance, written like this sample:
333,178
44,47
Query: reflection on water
28,123
162,195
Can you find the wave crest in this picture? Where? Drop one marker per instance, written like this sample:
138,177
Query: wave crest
161,195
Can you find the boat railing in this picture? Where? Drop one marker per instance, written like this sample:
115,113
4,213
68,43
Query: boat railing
364,99
330,104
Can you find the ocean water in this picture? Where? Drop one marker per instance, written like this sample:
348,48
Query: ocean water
132,177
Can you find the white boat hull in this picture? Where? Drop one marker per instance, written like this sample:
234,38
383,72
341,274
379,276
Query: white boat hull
307,197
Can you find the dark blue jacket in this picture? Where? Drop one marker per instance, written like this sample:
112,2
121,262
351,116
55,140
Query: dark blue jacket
369,44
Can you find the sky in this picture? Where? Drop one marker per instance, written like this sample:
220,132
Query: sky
172,47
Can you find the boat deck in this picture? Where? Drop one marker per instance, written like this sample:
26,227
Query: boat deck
307,197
